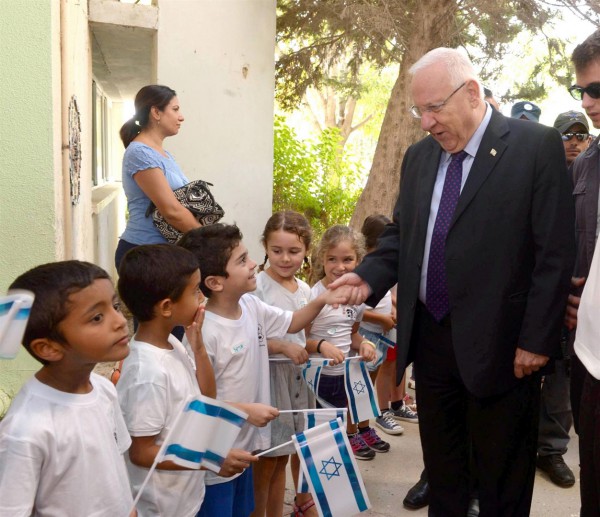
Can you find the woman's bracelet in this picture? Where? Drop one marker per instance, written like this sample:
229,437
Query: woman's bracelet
319,345
370,343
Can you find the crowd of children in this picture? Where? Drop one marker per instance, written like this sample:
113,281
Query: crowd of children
73,445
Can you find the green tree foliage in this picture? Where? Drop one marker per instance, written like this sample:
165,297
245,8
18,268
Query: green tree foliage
314,177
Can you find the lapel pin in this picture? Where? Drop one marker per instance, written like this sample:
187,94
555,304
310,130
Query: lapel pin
493,152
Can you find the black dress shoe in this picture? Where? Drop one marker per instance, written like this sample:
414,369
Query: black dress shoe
554,465
418,495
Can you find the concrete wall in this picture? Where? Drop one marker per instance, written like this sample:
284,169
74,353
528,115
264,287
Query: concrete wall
45,59
29,95
219,57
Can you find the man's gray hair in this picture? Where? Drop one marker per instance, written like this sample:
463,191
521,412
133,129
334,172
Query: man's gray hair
459,67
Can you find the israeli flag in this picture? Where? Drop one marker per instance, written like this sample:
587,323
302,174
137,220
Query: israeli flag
329,466
15,308
362,404
312,374
203,434
313,420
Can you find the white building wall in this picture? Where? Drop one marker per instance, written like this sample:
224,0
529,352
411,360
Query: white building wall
219,57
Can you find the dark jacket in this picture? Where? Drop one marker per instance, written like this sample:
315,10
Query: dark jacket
586,182
509,251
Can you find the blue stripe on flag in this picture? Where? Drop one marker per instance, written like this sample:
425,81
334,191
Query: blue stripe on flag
313,474
374,405
213,458
348,465
185,454
351,396
23,314
5,307
215,411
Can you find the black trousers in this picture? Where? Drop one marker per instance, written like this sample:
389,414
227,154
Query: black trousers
499,431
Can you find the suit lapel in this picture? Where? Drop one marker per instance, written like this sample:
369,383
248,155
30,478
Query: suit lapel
490,151
427,178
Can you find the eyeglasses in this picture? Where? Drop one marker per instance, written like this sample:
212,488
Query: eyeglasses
569,136
593,90
417,112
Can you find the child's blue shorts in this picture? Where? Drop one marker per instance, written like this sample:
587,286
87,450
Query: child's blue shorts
233,498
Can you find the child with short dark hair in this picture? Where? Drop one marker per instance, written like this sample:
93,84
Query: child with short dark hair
235,332
63,438
160,284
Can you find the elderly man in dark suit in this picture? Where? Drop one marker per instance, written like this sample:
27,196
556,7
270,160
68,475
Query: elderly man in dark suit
482,249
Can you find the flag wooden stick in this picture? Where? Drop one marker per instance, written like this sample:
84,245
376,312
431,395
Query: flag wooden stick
274,448
315,359
318,410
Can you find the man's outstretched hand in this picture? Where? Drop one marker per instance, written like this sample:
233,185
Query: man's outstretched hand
360,289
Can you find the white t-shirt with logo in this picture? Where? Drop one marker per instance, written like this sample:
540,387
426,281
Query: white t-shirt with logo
61,454
154,385
335,326
383,307
273,293
238,352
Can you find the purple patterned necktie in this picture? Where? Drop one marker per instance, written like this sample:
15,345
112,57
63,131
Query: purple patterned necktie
437,301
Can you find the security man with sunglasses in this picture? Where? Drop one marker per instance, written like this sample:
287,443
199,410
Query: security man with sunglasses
575,131
585,388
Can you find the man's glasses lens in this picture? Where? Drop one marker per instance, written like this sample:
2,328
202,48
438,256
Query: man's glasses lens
580,136
593,90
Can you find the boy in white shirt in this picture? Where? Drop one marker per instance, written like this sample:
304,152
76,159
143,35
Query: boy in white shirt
160,286
63,438
235,331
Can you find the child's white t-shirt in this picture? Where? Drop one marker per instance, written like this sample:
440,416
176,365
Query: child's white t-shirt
61,454
335,326
238,352
273,293
154,385
383,307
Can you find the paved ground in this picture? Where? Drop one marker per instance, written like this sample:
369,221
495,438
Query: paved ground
389,476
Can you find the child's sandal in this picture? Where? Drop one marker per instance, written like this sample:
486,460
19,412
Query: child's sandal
299,510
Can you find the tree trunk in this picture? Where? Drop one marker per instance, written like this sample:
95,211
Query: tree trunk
433,26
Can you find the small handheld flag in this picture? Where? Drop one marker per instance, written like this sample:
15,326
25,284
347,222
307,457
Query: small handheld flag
313,419
203,434
329,466
15,308
359,390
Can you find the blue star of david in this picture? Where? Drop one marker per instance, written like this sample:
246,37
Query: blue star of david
359,387
330,473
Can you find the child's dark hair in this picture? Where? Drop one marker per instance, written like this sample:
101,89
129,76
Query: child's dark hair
52,284
149,96
331,238
212,245
372,228
290,222
151,273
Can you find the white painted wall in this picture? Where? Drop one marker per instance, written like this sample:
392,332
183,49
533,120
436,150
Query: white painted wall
219,57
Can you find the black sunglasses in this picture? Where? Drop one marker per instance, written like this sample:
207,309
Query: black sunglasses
580,136
593,90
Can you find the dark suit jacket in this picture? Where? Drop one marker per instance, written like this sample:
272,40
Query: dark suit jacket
586,182
509,251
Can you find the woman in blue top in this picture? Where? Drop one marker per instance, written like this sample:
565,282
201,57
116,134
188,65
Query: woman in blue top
150,174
